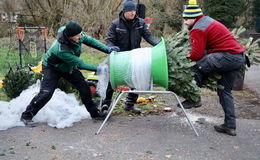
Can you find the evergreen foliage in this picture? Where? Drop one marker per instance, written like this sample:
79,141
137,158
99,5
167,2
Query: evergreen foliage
224,11
250,46
181,80
35,77
66,86
15,82
256,10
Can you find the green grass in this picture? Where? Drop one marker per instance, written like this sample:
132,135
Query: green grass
147,108
93,57
155,107
8,58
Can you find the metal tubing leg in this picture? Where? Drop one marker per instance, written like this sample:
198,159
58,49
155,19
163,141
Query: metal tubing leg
191,125
157,92
110,111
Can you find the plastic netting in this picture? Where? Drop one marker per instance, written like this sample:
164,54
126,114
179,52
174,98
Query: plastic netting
131,69
103,78
139,74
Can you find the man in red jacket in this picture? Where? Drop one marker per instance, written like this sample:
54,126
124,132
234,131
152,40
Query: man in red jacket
215,50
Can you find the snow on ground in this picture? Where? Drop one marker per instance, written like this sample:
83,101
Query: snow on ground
61,111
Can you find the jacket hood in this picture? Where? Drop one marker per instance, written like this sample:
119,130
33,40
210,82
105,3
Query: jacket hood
63,39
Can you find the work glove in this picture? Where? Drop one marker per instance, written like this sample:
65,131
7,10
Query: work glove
101,69
98,71
113,48
247,61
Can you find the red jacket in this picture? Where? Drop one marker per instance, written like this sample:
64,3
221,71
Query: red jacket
211,36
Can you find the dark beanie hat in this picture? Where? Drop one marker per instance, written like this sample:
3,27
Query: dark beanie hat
129,5
72,29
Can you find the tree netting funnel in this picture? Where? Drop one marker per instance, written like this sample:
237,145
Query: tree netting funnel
151,63
160,64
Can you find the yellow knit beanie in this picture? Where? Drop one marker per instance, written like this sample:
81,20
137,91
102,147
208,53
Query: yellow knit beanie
192,10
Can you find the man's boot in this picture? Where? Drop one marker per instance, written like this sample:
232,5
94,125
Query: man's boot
130,102
132,108
224,129
188,104
105,108
26,118
28,122
97,114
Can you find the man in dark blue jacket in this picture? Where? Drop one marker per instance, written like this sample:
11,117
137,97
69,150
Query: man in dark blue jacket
126,32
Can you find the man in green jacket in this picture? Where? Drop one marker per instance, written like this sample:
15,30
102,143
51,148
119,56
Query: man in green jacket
62,60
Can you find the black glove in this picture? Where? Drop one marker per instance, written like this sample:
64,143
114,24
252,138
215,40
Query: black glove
247,61
113,48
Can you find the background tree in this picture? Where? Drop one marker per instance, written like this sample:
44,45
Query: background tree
94,15
246,18
9,8
167,16
227,12
256,14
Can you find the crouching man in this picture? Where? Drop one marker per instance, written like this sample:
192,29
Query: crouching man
62,60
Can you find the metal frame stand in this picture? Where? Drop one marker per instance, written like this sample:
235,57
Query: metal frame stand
118,97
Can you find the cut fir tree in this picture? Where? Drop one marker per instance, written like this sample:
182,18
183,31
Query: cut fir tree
181,77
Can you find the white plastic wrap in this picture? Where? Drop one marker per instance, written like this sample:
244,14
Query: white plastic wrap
103,78
141,69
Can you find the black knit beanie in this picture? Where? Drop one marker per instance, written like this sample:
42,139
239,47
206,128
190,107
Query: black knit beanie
129,5
72,29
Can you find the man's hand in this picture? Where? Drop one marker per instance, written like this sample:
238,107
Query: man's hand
101,69
98,71
113,48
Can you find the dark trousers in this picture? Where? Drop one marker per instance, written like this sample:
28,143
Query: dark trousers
130,99
48,86
228,66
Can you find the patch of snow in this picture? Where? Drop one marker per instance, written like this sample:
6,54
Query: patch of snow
61,111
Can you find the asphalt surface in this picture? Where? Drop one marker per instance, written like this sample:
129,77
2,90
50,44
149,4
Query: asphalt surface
131,138
137,138
252,78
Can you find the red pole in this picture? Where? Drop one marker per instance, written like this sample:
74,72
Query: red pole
19,32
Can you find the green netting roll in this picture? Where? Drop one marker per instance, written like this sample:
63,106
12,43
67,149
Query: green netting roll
119,62
121,66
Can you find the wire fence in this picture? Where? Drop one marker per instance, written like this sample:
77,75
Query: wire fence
20,50
8,53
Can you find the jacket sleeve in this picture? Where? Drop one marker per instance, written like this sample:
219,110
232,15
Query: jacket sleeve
111,35
92,42
198,44
73,60
147,35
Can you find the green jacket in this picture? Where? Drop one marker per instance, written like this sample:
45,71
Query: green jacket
64,54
